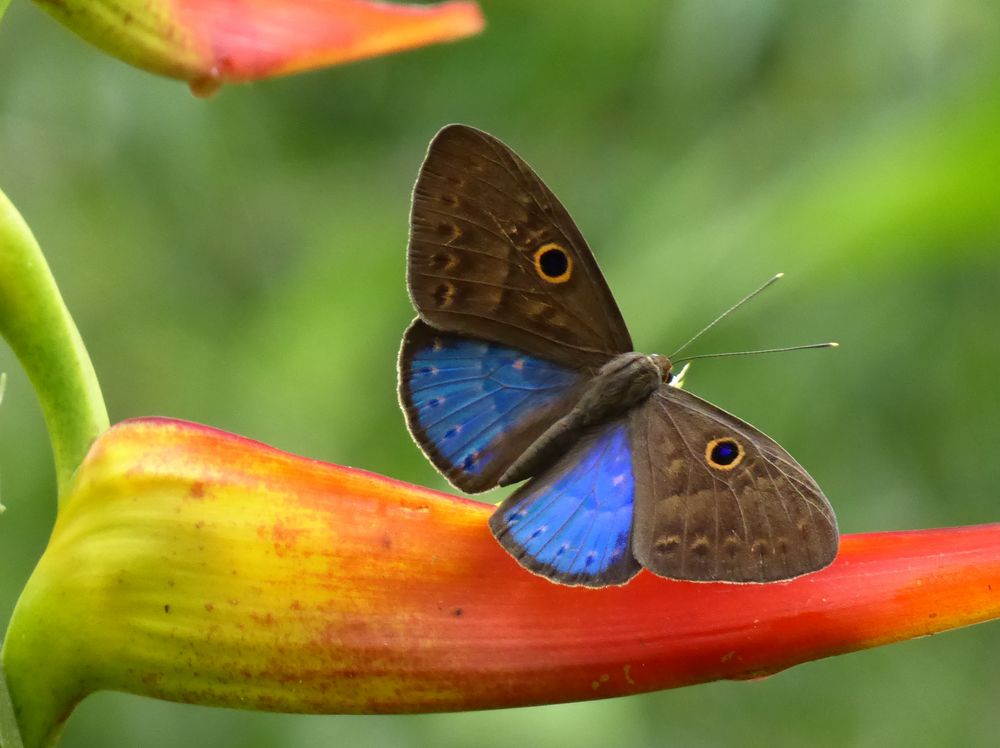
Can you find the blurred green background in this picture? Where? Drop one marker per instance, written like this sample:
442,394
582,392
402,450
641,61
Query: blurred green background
239,262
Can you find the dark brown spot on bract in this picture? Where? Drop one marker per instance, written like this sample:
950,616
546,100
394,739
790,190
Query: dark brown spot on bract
151,679
197,490
458,612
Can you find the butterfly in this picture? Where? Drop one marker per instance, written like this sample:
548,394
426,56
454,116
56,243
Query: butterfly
520,367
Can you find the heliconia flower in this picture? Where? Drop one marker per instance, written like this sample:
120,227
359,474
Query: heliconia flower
210,42
194,565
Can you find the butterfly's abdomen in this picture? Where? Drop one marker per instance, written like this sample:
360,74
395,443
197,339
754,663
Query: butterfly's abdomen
621,384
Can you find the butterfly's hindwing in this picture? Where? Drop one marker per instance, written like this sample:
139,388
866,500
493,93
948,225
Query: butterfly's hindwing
475,406
718,500
494,255
573,522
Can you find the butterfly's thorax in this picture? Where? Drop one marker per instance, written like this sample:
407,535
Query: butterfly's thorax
617,387
620,385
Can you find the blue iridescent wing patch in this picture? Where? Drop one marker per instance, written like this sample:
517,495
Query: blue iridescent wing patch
573,523
475,406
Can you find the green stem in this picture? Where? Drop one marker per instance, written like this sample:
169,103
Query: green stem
37,326
3,9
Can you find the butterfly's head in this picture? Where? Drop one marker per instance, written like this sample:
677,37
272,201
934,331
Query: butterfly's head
663,364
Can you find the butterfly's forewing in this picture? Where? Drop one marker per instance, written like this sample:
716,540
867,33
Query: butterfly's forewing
572,523
718,500
475,406
494,255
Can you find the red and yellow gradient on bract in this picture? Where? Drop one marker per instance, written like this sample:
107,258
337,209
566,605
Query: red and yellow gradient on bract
194,565
211,42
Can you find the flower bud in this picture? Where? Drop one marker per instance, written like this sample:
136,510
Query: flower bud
210,42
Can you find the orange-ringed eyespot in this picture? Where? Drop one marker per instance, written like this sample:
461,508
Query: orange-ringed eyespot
553,264
724,453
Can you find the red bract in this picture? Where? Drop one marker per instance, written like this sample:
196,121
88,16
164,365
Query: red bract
250,39
211,42
194,565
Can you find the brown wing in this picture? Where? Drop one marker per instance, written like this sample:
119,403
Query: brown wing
717,500
494,255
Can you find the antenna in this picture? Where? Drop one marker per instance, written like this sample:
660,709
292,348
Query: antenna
725,314
763,350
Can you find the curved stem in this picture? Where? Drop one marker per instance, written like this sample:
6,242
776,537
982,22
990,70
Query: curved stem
38,327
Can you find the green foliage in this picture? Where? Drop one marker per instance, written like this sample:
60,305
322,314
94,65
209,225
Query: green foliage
239,262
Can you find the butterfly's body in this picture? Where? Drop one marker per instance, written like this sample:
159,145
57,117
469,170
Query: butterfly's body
616,388
520,366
